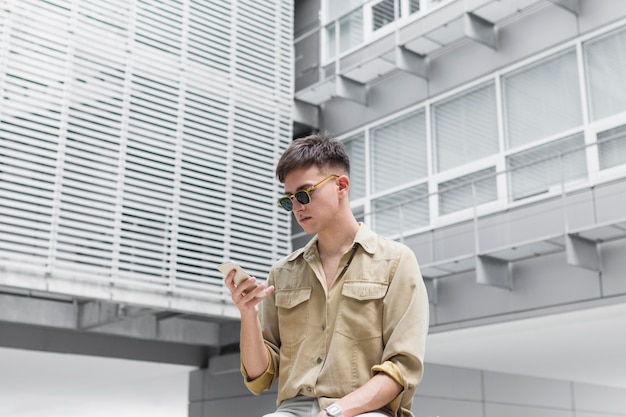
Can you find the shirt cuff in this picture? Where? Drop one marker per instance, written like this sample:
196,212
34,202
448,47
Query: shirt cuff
263,381
390,369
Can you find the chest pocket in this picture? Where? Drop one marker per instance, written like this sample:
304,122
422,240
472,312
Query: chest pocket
293,314
360,314
364,290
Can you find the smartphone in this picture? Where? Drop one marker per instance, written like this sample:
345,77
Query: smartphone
240,275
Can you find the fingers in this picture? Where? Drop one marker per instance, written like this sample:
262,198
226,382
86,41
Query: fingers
249,292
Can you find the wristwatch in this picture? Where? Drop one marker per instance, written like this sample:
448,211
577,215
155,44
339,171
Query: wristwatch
333,410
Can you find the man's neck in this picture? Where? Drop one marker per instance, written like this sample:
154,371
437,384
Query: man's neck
337,240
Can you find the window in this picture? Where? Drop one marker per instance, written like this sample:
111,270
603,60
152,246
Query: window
612,147
542,99
350,33
359,213
414,6
383,13
352,22
331,41
401,211
536,170
399,152
605,65
351,30
355,147
465,128
468,191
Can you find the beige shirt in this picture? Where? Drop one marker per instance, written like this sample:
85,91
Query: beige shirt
325,343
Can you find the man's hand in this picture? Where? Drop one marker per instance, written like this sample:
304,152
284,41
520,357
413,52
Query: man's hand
248,294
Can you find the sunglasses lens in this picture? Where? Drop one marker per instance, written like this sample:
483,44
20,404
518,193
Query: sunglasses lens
286,203
302,197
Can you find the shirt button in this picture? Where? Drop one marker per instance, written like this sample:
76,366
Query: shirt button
319,360
309,389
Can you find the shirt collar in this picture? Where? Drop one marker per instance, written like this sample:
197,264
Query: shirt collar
365,237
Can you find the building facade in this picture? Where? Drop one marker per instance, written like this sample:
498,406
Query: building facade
490,137
138,145
138,141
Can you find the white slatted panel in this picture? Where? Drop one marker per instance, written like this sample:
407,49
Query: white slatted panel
138,139
612,147
33,114
355,147
351,30
605,67
399,153
536,170
542,99
402,211
465,127
468,191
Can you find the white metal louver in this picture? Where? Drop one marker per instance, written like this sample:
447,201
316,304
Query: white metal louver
542,99
605,65
399,153
465,127
138,141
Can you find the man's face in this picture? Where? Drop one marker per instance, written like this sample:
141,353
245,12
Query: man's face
320,191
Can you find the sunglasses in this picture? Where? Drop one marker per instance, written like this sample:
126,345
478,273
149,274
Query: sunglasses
302,196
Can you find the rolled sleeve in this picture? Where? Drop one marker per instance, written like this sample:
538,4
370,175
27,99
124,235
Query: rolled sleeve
405,328
261,383
394,373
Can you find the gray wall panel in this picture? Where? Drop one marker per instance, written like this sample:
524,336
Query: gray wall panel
386,97
596,13
614,268
306,16
611,202
433,407
450,382
538,283
523,390
523,224
454,241
579,210
422,245
499,410
603,399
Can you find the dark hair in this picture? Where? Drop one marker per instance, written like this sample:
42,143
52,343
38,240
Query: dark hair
317,149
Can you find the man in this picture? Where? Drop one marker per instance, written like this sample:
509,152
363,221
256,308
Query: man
343,321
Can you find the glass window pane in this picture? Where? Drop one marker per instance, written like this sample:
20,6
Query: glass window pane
605,65
536,170
414,6
542,100
336,9
401,211
432,3
359,213
468,191
465,127
399,152
383,13
612,147
330,41
351,30
355,147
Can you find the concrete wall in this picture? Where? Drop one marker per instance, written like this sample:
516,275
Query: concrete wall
451,391
218,391
446,391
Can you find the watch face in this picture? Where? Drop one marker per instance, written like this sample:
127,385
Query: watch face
333,410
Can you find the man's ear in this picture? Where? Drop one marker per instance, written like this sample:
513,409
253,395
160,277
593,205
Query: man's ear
343,182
